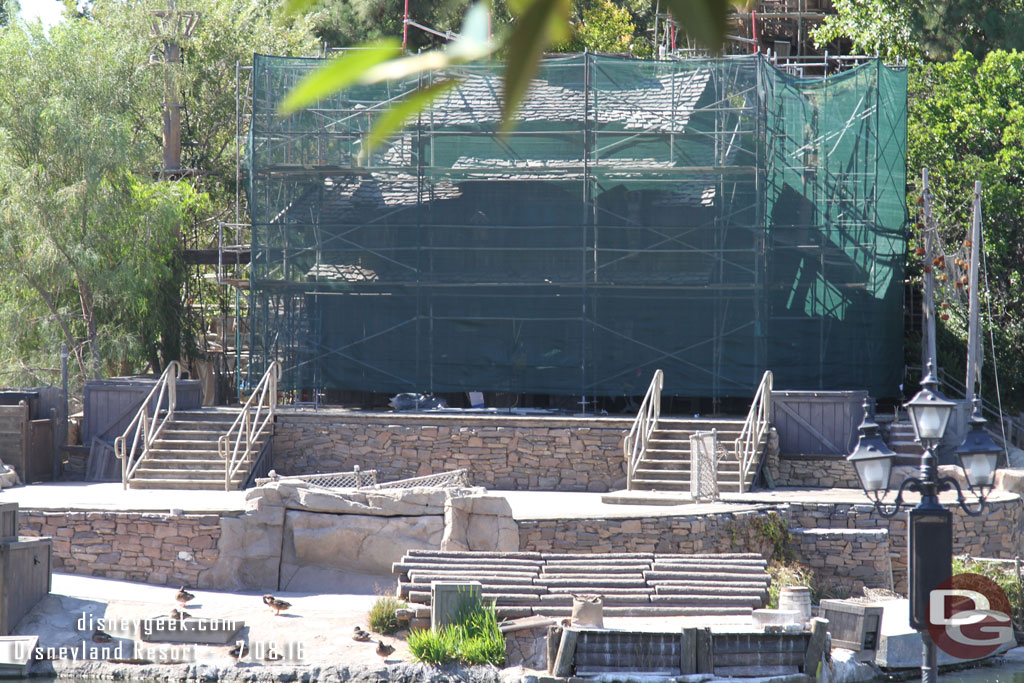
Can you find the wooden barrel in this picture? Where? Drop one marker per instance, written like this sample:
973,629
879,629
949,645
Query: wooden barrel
797,599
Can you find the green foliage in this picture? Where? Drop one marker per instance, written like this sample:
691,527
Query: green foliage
433,647
966,122
603,27
473,638
1005,576
89,243
914,28
382,614
790,574
775,530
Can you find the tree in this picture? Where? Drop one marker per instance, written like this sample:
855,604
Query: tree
83,229
966,122
914,28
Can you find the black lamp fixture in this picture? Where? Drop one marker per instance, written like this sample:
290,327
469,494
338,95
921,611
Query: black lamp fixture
930,523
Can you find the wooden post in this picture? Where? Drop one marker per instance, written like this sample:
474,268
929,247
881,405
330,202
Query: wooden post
705,651
688,651
553,640
816,646
566,653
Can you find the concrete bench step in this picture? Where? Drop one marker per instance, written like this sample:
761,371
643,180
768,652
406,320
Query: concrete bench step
426,576
591,583
752,584
755,590
651,611
670,572
476,554
655,577
453,566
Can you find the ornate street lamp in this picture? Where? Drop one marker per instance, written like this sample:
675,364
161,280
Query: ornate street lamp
930,524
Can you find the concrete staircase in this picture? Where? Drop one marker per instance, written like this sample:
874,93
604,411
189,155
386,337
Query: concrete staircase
666,464
901,440
185,456
632,584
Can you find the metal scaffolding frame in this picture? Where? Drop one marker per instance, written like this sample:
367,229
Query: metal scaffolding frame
669,178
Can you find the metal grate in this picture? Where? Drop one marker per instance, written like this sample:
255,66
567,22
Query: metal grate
443,480
358,479
705,452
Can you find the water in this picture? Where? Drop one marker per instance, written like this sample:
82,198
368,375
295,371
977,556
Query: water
1010,671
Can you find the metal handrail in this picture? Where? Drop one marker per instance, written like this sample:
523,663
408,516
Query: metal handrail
755,427
236,446
634,446
144,429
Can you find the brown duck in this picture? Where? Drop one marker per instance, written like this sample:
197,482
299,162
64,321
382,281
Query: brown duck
384,650
99,636
360,635
276,604
184,597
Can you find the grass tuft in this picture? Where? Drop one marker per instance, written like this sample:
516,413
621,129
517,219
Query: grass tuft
382,614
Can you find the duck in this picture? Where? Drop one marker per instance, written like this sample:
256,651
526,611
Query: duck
384,650
275,604
99,636
239,651
360,635
184,597
175,614
272,656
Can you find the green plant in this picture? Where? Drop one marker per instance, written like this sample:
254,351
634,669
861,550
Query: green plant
433,647
790,574
382,614
775,530
1005,576
474,637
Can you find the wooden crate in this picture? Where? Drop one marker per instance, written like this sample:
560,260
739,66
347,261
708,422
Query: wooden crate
25,574
8,521
854,625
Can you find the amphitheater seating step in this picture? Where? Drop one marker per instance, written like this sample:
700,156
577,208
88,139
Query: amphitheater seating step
632,584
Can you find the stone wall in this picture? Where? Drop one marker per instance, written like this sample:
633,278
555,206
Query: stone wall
692,533
994,534
812,472
500,452
845,560
133,546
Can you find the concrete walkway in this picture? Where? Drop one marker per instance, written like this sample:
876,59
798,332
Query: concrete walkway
526,505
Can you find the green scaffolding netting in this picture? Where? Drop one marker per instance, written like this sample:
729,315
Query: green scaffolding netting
710,217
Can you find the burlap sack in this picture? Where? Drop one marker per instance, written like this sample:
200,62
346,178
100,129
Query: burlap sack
588,611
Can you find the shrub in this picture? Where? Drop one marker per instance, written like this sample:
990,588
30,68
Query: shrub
473,638
783,575
433,647
382,614
1005,575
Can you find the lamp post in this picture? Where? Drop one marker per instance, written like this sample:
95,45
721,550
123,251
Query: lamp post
929,523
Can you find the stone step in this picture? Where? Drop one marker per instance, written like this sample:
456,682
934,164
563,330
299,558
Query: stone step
191,474
652,611
757,591
403,567
426,576
583,569
193,484
756,560
660,485
721,575
683,573
531,555
592,583
184,454
151,464
185,444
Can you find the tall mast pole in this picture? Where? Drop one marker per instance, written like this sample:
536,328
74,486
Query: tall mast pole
973,347
928,305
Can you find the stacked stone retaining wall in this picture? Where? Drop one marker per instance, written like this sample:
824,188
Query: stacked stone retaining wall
802,471
163,549
500,452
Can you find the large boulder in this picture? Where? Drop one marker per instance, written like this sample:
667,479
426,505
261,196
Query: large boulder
479,522
366,544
